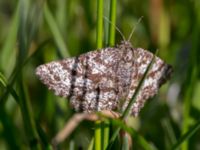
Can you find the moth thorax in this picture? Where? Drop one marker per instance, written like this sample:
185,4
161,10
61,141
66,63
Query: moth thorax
125,45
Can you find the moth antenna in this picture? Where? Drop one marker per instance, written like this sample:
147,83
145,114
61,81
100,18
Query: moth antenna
134,27
115,27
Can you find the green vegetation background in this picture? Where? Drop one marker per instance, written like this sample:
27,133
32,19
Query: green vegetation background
35,32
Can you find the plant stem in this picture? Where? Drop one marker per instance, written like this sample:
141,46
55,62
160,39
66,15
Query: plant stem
99,42
112,18
111,42
99,35
106,132
187,135
97,138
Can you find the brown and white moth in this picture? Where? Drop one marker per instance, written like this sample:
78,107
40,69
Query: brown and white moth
105,79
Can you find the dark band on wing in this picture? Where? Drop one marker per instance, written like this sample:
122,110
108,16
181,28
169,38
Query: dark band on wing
73,75
84,89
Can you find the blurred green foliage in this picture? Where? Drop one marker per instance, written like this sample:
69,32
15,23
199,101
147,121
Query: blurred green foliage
33,32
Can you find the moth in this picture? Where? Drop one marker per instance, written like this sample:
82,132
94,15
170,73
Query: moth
105,79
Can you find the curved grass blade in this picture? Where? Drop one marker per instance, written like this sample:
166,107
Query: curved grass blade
140,140
3,82
10,42
187,135
56,33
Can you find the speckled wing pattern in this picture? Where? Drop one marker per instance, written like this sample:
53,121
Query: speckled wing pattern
105,79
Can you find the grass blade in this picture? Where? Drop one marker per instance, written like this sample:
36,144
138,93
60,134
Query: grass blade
99,34
7,50
56,32
187,135
112,25
99,43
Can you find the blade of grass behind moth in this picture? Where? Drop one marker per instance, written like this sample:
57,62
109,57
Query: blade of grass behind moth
99,33
99,42
142,141
43,138
56,32
10,42
113,5
127,110
21,17
29,123
91,145
137,138
25,107
9,131
187,135
14,74
35,14
98,141
170,135
111,41
192,76
3,82
61,15
7,50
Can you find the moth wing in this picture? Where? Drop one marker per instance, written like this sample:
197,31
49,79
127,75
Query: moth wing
99,80
88,80
57,76
158,74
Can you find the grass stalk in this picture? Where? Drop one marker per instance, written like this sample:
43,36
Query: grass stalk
112,17
97,135
191,80
111,42
29,124
56,32
187,135
99,42
99,35
106,133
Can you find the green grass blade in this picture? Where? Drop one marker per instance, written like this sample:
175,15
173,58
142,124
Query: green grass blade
112,25
99,35
170,135
192,78
10,89
140,140
2,79
43,138
24,101
97,135
98,143
10,43
111,42
187,135
106,132
91,145
56,32
29,123
61,15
